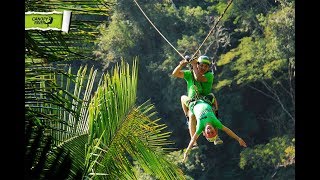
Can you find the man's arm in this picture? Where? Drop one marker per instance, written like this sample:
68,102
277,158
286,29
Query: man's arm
233,135
177,71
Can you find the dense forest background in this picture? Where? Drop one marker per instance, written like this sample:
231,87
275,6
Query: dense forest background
253,47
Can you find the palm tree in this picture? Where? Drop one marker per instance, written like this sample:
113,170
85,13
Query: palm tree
121,132
103,134
79,125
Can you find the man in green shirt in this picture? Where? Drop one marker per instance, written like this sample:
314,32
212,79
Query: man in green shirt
199,84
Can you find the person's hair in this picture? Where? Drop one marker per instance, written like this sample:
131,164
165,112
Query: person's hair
211,137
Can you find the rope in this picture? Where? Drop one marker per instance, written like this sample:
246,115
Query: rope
158,30
214,26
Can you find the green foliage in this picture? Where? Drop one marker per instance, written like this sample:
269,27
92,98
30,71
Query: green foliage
223,83
188,44
140,174
193,15
85,131
266,159
120,131
264,53
44,160
252,59
285,3
219,7
271,53
196,164
58,98
268,60
57,101
245,61
255,58
228,57
243,15
55,97
280,32
119,33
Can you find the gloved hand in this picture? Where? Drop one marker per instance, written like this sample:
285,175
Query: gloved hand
188,58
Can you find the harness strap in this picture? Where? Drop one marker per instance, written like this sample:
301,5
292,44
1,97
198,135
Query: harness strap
195,100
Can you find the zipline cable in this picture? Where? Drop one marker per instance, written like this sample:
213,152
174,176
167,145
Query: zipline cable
158,30
191,58
214,26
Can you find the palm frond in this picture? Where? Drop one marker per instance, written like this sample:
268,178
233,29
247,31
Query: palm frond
59,99
44,160
125,132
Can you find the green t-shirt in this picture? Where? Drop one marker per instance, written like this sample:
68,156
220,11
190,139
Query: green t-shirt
207,86
203,110
202,88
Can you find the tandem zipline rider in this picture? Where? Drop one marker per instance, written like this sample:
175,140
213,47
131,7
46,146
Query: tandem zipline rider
198,107
199,86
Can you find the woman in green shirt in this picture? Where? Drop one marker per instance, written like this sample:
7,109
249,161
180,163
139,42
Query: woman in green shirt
206,124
